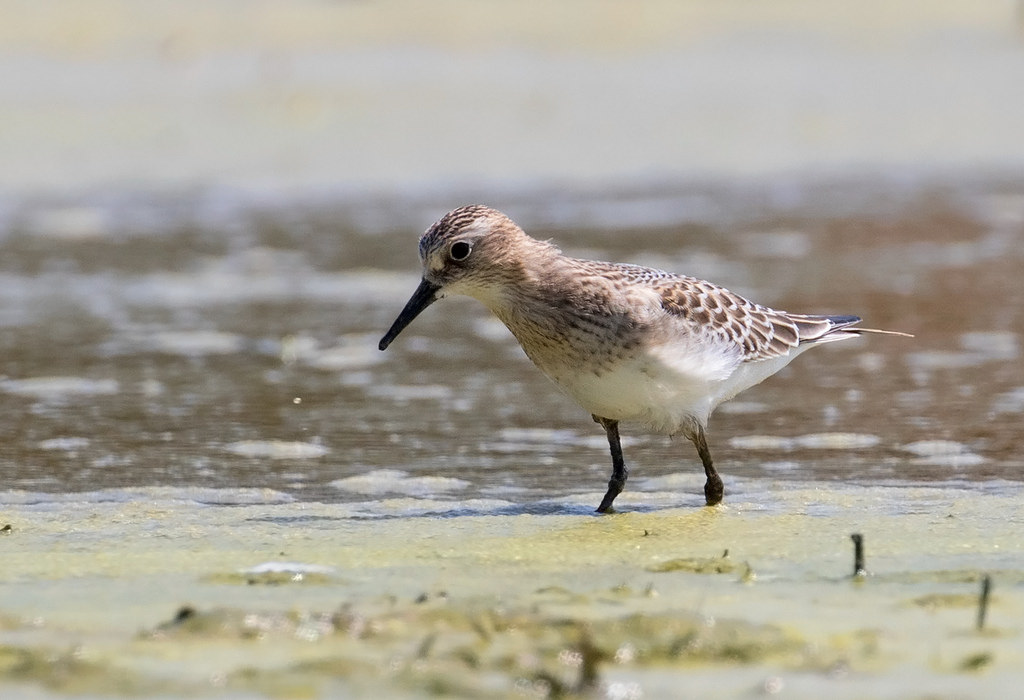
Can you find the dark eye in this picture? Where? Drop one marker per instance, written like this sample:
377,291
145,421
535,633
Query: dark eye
459,250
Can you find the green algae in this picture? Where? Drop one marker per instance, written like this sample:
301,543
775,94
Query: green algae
946,600
502,606
704,565
451,645
976,662
68,672
270,578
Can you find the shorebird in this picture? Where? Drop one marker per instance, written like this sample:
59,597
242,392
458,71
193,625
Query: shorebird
628,343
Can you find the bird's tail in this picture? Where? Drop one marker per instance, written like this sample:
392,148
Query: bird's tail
825,329
879,331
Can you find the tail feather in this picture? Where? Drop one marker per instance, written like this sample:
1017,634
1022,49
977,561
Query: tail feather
824,329
880,332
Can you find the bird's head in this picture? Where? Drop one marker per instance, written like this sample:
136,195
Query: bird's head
473,250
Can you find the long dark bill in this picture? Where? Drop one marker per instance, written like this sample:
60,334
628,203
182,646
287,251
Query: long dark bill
424,296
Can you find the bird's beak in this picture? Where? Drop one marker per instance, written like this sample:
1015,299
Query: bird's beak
424,296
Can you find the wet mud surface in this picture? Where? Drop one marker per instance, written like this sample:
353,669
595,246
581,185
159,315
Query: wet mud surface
217,486
303,600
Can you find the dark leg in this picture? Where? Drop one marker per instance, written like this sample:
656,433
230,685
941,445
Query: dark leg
713,488
619,471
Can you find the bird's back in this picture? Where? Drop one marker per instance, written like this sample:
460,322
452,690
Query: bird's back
632,342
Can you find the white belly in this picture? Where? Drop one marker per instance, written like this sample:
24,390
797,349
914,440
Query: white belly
667,390
664,387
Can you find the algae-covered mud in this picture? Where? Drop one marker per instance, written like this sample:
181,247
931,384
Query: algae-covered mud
168,595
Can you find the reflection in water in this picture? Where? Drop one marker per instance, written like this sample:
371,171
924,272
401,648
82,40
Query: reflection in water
242,355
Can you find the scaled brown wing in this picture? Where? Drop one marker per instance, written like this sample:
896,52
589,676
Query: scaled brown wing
762,333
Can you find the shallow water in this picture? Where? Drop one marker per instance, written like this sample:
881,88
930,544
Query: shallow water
241,353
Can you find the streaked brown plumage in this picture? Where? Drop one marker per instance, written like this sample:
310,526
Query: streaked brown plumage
626,342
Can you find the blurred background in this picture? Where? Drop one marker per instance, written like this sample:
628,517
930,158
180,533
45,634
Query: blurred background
389,97
209,212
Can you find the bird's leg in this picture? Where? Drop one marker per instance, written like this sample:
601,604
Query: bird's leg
619,471
713,488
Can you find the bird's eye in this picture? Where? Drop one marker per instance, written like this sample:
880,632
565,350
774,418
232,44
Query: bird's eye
459,250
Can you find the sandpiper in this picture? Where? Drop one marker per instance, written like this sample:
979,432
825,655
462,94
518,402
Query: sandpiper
628,343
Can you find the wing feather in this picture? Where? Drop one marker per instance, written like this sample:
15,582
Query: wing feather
760,333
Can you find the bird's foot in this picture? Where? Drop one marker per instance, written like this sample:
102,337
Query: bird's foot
614,489
714,490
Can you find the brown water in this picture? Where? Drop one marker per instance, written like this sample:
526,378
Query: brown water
147,346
